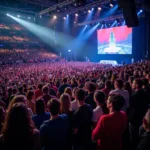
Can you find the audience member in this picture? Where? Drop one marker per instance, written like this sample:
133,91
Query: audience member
54,132
31,100
74,104
101,108
63,86
38,92
110,128
145,140
107,88
82,121
18,130
137,110
41,115
90,87
118,84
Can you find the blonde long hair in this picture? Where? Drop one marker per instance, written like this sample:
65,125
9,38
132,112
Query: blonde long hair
65,103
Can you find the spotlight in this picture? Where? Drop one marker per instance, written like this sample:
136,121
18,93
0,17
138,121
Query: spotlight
141,10
99,8
7,14
64,18
29,18
18,16
55,17
76,15
69,50
92,8
75,4
67,15
111,5
74,22
58,10
89,11
40,16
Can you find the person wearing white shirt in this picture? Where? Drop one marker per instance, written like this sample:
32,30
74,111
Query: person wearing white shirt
99,98
74,104
118,89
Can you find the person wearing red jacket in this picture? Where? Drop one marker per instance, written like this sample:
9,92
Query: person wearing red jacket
109,130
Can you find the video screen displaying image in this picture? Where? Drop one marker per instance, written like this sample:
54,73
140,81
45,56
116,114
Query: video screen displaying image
117,40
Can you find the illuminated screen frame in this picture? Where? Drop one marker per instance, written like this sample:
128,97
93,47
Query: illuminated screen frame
106,41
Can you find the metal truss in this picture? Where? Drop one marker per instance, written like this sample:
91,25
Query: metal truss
101,20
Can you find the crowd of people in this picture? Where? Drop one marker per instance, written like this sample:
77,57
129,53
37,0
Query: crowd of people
28,55
14,39
75,105
10,27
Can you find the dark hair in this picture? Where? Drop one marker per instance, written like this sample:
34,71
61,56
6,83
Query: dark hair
40,106
14,90
119,83
139,82
100,96
65,80
145,81
127,86
108,84
40,86
80,94
45,89
54,106
20,89
29,95
117,101
91,87
18,125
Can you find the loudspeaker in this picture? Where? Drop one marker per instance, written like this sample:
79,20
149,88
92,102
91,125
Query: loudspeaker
129,12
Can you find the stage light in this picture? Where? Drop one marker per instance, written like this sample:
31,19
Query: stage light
67,15
76,15
111,5
55,17
141,10
92,8
40,16
75,4
74,22
58,10
99,8
29,18
18,16
69,50
64,18
89,11
7,14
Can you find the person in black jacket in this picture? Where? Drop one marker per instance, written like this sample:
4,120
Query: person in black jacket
137,109
82,123
145,139
90,87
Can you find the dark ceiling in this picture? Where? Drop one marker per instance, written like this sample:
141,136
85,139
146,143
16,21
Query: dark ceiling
30,5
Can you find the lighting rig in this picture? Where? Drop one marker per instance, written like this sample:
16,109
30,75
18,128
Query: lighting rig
119,17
